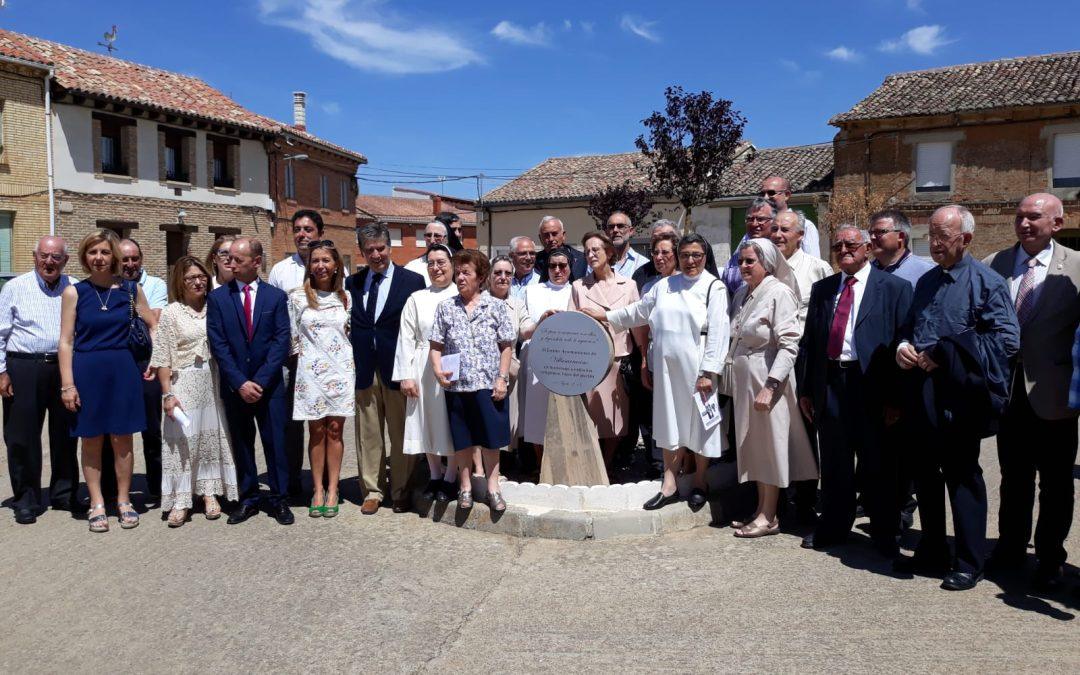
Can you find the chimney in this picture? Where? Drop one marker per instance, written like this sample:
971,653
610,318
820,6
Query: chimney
436,204
299,110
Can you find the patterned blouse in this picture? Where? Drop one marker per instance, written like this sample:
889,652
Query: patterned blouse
180,341
477,338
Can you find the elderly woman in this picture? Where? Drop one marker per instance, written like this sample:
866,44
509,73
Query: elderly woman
196,458
216,261
99,378
427,428
771,441
604,290
477,329
687,316
502,272
543,300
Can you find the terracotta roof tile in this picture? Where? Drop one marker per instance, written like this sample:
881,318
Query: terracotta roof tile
404,209
807,167
1006,83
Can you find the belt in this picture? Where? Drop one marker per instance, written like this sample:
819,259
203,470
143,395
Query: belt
843,365
50,357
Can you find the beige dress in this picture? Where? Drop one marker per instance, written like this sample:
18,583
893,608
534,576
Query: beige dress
519,317
772,446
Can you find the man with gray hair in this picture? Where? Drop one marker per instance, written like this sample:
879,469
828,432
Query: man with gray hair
759,219
30,384
620,229
523,255
434,233
787,234
890,244
958,342
553,236
778,189
378,294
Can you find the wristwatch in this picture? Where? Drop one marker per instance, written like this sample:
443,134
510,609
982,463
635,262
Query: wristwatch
772,384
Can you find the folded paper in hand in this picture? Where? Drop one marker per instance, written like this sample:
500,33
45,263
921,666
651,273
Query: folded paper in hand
709,409
451,363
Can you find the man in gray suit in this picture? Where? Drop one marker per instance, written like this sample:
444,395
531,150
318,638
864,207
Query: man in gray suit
1038,431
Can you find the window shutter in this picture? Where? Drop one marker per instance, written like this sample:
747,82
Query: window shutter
1067,160
5,242
933,166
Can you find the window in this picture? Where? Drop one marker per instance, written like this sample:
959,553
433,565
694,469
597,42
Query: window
324,192
6,218
933,166
420,241
176,246
177,159
112,145
395,236
290,181
1070,238
1067,160
2,108
346,261
344,194
120,227
223,155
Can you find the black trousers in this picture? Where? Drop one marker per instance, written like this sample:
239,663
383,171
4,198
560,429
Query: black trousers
294,437
151,438
850,427
36,387
1028,444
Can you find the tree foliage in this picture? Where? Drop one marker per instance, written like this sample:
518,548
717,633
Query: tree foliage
631,199
690,144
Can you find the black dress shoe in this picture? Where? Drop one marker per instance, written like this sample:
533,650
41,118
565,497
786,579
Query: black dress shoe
819,543
659,501
696,500
444,491
888,549
402,506
242,513
432,487
1047,577
282,513
907,520
927,566
1001,561
25,516
961,581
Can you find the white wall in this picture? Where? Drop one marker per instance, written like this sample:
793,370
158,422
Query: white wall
74,164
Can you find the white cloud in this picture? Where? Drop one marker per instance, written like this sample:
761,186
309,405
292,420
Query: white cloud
567,24
803,76
331,107
639,27
915,5
537,36
587,27
362,34
923,40
842,53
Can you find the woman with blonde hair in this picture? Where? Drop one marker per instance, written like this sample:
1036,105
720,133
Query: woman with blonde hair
325,373
99,377
196,458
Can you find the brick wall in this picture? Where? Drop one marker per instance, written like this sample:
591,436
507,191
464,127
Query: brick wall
82,213
408,250
23,163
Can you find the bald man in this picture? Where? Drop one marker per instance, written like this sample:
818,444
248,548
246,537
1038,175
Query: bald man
778,189
1038,432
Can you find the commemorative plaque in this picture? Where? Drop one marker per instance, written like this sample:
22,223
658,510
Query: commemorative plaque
570,354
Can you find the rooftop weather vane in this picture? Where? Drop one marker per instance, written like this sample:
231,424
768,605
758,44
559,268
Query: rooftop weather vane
110,38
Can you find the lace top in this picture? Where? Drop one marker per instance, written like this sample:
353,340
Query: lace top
180,340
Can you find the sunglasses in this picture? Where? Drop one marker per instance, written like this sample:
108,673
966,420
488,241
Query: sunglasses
770,193
502,273
322,243
841,245
747,261
558,266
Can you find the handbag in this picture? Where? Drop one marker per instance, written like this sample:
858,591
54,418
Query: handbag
138,333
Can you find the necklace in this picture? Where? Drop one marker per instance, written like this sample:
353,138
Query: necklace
105,302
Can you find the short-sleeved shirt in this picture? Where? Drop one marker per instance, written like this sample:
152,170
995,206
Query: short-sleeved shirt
476,338
155,290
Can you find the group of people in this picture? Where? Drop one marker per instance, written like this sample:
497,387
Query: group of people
880,379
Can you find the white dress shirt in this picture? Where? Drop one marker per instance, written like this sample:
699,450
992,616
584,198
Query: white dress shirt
288,274
808,270
254,291
810,243
384,289
30,316
155,290
1041,268
848,352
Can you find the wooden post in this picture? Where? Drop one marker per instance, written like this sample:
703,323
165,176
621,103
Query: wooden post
571,449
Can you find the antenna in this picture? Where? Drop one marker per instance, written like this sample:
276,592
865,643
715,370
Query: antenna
110,38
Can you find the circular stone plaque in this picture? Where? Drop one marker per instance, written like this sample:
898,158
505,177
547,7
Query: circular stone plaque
570,353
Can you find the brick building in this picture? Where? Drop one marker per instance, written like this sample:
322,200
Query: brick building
307,172
406,217
24,177
983,135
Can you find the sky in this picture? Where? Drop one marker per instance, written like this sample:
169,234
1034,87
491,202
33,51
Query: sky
435,89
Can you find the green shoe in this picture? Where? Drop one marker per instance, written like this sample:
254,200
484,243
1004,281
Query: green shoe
316,511
331,511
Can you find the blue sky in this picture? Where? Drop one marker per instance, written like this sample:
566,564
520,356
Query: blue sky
458,88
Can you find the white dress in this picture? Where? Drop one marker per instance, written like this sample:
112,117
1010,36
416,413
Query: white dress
427,427
539,298
675,311
325,374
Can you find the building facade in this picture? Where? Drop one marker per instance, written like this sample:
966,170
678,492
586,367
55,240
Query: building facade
983,135
406,218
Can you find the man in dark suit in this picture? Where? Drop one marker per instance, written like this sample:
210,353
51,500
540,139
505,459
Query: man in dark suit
1038,430
845,367
553,236
247,324
379,292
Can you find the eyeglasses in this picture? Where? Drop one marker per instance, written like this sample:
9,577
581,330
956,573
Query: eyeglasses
502,273
438,236
878,234
223,254
853,245
942,238
558,266
55,257
662,254
617,226
759,219
747,261
195,278
768,193
691,255
438,264
524,254
322,243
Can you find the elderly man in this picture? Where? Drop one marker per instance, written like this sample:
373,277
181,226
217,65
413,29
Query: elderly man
157,297
960,337
379,292
846,368
553,236
523,254
890,244
307,226
434,233
1038,430
778,189
759,220
787,233
30,384
619,228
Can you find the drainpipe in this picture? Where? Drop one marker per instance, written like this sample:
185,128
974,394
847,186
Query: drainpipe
49,152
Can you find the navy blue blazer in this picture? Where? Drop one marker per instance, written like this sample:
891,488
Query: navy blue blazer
374,344
884,307
238,360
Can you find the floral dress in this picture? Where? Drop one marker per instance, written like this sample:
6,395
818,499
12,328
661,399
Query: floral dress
325,374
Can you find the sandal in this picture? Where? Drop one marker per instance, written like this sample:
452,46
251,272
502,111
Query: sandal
177,517
464,499
755,531
331,511
129,519
211,507
496,502
316,510
100,522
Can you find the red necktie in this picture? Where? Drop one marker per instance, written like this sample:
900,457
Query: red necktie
840,319
247,313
